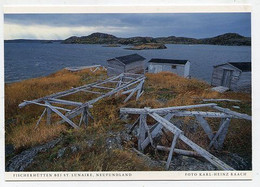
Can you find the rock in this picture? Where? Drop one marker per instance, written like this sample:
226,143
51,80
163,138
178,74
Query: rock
237,107
61,152
185,163
220,89
73,148
90,143
25,158
9,149
114,142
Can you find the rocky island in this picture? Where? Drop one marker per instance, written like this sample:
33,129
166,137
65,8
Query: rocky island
147,46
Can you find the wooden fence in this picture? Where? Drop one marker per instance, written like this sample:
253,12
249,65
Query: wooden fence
125,83
163,116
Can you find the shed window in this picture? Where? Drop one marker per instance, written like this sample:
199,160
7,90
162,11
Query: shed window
174,66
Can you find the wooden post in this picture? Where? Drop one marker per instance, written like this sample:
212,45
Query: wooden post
38,122
176,136
204,124
156,131
85,116
220,130
48,120
222,136
141,137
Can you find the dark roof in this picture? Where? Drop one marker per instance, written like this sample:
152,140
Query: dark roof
129,58
170,61
243,66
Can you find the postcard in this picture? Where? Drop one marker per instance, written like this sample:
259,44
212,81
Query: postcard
128,93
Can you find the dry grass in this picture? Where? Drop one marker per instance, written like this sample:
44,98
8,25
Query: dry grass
24,136
20,123
161,90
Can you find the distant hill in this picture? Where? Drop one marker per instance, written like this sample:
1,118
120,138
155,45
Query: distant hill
102,38
31,41
231,39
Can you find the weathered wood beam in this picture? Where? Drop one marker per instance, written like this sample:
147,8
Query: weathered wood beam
103,87
130,95
164,110
222,135
229,100
174,141
178,151
41,104
141,135
85,116
224,125
38,122
148,134
233,113
64,102
140,90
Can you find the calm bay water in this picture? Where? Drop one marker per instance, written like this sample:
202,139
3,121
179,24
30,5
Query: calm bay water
30,60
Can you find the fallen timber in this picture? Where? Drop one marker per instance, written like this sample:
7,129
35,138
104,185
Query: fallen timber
120,84
92,68
163,116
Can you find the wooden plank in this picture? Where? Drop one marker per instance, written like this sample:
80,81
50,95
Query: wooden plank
141,136
128,91
149,134
40,104
48,120
169,159
64,102
38,122
222,136
178,151
130,95
229,100
102,87
85,116
230,112
224,125
140,89
164,110
81,119
203,114
155,131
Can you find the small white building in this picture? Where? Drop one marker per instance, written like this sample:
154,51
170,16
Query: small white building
179,67
234,75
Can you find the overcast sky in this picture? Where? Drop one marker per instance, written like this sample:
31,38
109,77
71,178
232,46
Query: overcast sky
62,26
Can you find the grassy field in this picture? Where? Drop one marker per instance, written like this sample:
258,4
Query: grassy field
161,90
